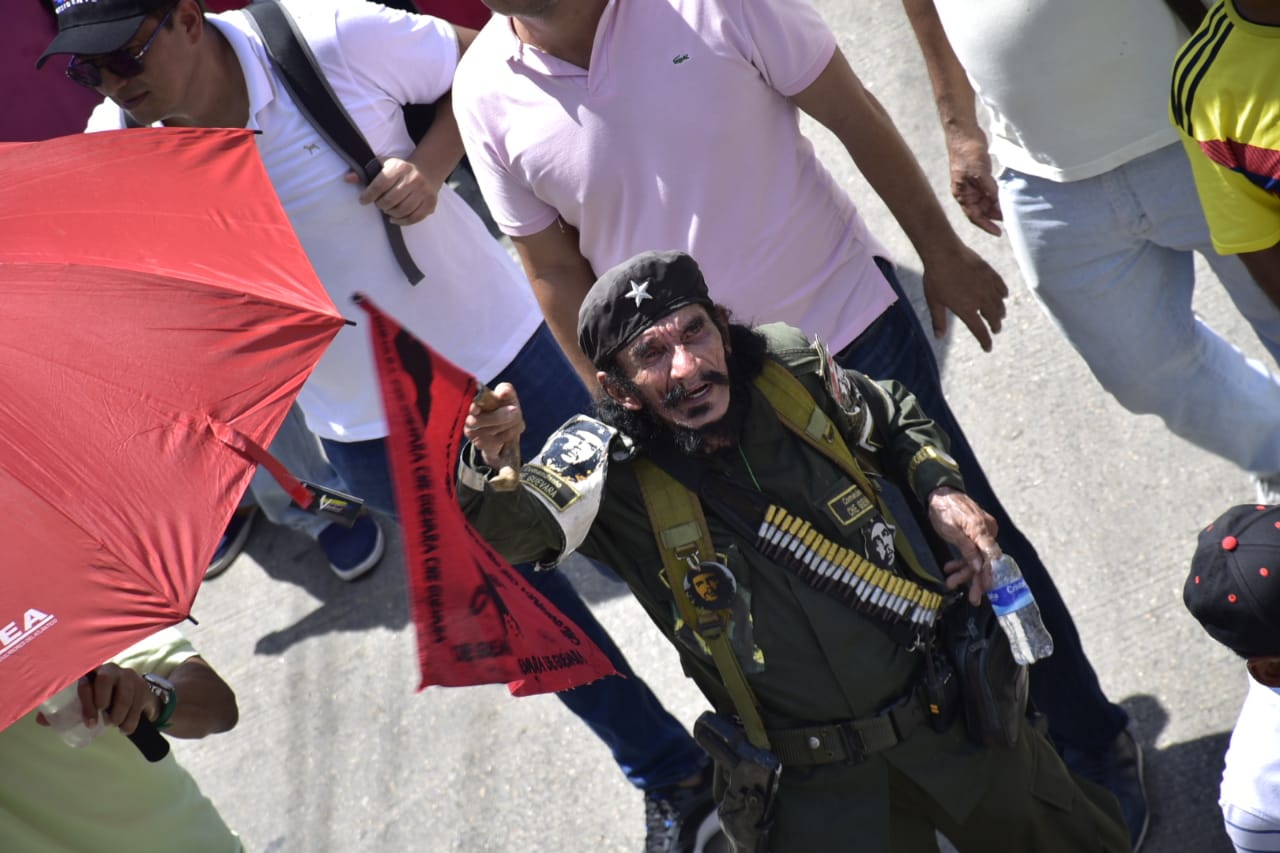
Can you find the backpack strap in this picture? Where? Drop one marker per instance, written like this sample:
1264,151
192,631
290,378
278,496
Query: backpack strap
296,64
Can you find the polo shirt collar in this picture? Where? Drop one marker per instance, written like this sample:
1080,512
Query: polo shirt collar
254,64
540,62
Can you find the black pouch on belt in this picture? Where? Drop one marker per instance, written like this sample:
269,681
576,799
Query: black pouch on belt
746,809
993,686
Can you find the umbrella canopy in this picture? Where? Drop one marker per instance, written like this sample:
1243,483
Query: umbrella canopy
159,318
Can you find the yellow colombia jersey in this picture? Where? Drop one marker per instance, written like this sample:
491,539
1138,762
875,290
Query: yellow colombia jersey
1225,100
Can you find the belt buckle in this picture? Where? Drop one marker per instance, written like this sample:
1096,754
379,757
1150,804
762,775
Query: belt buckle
855,748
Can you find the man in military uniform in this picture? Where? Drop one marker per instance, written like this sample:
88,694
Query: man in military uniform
829,501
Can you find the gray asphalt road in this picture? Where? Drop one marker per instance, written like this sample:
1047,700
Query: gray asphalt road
336,752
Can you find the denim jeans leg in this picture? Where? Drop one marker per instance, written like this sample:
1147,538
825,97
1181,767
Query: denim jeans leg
298,449
650,746
1064,686
1169,193
363,465
1100,252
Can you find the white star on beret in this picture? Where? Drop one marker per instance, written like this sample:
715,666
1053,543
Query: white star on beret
639,292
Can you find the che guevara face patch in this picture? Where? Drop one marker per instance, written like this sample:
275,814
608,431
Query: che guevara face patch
573,456
569,475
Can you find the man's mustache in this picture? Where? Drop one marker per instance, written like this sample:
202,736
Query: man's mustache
678,394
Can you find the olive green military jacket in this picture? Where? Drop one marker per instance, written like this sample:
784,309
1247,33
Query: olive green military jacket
808,657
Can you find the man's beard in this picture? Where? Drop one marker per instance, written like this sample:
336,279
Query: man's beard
647,429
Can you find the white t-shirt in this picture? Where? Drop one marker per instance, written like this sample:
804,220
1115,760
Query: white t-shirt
1075,88
679,136
474,305
1251,780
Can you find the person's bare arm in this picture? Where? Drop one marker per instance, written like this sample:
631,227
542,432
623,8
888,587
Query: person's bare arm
972,183
205,703
955,277
466,36
560,277
408,190
1265,268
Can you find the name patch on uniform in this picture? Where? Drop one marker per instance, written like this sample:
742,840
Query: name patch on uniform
547,483
849,506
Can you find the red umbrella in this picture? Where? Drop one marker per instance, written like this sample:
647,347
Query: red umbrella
159,318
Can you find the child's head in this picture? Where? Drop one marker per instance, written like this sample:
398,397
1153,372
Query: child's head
1234,586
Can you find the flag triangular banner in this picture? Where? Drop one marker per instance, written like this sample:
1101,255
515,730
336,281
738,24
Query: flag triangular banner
477,620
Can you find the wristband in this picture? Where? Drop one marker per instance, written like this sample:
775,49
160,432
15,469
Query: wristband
168,695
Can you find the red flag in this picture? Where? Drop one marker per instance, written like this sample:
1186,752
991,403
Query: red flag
477,620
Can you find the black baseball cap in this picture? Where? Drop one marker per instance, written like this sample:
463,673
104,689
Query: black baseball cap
1234,585
89,27
634,295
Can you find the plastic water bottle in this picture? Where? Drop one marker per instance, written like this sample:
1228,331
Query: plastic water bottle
1018,612
62,711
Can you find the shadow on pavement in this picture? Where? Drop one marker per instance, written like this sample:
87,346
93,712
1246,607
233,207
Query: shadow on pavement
373,601
1182,784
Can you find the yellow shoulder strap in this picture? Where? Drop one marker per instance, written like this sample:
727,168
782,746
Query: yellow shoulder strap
678,523
801,414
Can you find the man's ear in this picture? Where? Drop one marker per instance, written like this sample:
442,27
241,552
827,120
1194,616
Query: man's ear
1265,670
721,319
623,399
188,20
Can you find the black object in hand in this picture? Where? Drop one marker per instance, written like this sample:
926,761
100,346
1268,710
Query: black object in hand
146,737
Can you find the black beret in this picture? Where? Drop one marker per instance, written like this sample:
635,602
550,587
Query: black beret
633,296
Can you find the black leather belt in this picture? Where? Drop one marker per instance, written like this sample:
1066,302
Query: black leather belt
850,741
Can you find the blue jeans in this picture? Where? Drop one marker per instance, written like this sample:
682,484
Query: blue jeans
650,746
1110,260
299,450
1064,685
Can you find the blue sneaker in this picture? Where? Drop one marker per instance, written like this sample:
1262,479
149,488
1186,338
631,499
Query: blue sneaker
355,550
232,541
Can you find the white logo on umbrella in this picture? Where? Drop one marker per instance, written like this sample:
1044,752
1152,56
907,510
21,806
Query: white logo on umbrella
639,292
34,622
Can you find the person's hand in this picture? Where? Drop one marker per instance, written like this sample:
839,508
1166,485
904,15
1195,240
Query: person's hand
958,279
494,422
963,524
972,184
121,694
400,190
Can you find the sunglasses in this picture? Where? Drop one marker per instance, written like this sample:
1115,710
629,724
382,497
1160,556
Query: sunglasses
121,63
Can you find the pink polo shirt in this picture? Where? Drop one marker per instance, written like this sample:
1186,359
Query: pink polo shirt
680,136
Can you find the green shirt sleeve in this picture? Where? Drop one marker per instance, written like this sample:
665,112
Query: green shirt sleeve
905,443
515,523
